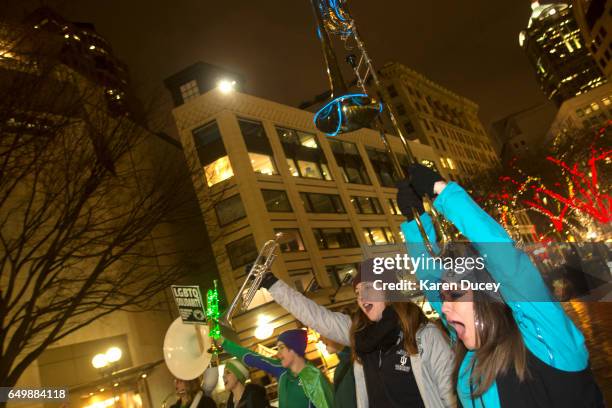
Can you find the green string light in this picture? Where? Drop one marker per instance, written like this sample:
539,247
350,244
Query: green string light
212,311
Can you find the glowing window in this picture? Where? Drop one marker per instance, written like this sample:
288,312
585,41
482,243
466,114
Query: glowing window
189,90
378,236
217,171
262,163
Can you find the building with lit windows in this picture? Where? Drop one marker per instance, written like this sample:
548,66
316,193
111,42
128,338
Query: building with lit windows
589,111
555,48
88,53
272,171
594,18
441,119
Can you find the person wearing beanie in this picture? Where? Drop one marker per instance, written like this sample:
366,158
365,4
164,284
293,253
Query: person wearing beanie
514,345
242,394
300,384
400,358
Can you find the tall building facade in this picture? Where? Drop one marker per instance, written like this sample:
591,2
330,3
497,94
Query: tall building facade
555,48
272,171
594,18
441,119
91,55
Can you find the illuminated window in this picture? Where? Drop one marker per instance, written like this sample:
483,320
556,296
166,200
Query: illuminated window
451,163
429,163
342,274
189,90
378,236
304,156
366,205
262,164
393,207
382,167
606,101
291,240
217,171
334,238
303,280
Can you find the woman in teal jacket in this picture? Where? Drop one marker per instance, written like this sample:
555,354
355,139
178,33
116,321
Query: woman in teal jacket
517,346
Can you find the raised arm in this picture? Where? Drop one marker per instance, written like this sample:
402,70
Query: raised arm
252,359
333,325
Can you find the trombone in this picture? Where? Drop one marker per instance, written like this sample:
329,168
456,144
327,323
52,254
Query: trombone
252,281
348,111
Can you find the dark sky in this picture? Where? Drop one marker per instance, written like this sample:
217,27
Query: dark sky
470,46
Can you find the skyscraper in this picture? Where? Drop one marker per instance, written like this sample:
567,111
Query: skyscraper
553,43
595,20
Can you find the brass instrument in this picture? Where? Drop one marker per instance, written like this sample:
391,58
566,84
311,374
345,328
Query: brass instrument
347,111
252,280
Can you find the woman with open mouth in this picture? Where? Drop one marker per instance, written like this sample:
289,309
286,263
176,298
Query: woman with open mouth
401,359
516,347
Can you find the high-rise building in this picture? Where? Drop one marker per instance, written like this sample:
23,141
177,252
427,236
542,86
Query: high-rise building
437,117
594,18
88,53
333,198
553,43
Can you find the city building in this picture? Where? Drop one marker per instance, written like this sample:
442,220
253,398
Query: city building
588,111
563,65
272,171
594,18
85,51
439,118
522,133
132,370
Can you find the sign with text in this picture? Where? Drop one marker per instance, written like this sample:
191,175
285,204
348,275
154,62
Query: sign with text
189,302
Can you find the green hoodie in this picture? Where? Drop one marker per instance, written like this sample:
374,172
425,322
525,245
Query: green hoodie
344,381
307,389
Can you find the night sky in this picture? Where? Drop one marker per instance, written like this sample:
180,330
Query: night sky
471,47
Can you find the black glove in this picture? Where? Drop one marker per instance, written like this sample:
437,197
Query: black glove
267,281
423,179
407,199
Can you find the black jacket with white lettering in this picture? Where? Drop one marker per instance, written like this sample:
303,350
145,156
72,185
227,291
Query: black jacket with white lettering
388,374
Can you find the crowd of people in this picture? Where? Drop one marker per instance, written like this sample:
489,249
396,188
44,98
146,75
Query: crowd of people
514,347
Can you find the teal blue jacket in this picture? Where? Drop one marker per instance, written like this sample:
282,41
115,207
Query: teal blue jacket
547,331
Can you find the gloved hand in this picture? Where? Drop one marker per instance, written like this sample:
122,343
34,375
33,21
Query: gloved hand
423,179
268,280
407,199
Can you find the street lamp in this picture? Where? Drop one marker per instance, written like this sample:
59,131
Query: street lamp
226,85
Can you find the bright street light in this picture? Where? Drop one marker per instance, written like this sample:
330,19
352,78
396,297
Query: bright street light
99,361
226,86
113,354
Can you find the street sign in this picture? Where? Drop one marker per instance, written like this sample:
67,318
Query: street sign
189,302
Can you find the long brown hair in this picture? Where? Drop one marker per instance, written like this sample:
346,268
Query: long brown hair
410,316
500,345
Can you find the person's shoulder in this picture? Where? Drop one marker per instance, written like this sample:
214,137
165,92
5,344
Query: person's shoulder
255,388
431,333
207,402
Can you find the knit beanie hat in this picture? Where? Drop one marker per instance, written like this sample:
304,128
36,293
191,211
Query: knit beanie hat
295,340
238,369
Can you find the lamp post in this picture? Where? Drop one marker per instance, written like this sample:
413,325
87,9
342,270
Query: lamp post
106,363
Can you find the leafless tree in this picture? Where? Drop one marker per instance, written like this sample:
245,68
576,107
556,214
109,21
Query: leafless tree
89,204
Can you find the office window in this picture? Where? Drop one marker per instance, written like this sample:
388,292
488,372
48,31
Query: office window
303,280
276,201
332,238
378,236
262,163
342,275
367,205
322,203
393,207
211,153
230,210
291,241
242,251
382,167
349,160
258,146
189,90
304,155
